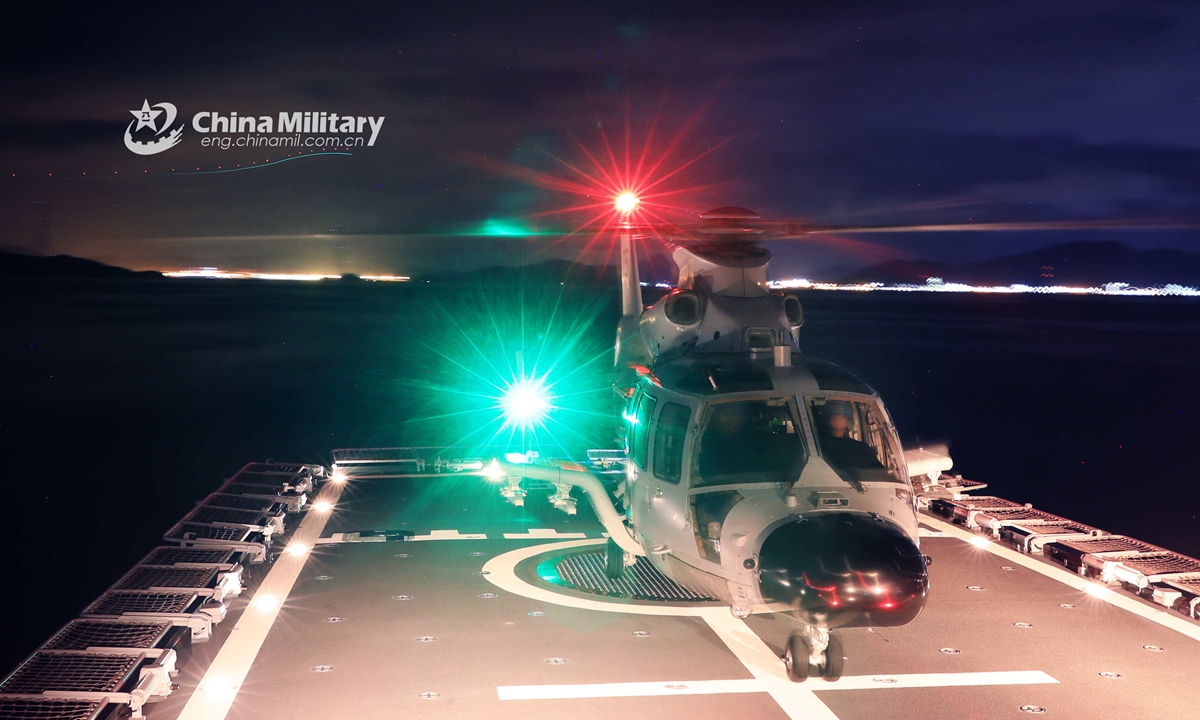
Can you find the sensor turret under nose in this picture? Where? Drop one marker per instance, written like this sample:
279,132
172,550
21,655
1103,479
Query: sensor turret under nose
844,569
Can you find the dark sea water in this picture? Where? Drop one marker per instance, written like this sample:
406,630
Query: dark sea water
123,402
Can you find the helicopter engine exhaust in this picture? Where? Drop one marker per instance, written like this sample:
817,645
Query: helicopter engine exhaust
844,569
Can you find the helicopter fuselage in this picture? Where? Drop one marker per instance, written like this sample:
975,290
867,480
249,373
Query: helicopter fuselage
774,486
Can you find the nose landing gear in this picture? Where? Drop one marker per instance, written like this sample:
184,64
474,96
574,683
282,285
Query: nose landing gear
814,651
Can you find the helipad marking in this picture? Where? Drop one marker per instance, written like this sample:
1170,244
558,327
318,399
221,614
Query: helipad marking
798,701
351,537
630,689
1165,618
542,534
722,687
502,574
447,535
216,691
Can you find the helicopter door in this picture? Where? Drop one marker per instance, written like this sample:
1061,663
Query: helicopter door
658,503
641,410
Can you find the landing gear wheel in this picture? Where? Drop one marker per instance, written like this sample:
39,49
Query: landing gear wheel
795,658
834,661
614,560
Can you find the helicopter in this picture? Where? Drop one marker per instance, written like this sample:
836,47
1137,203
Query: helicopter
766,478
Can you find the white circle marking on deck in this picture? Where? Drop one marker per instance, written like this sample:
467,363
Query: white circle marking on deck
502,573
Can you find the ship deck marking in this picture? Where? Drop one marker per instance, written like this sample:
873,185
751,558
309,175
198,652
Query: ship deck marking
223,679
719,687
1167,619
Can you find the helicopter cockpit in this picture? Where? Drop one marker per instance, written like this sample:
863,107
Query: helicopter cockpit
749,441
749,431
854,439
755,443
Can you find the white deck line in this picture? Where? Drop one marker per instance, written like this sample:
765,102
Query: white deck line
216,691
1117,598
628,689
543,534
799,702
929,680
446,535
723,687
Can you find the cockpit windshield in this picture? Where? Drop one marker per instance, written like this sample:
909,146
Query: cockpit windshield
749,442
855,439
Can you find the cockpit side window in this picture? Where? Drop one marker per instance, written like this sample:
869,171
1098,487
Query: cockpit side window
641,429
669,434
856,440
749,442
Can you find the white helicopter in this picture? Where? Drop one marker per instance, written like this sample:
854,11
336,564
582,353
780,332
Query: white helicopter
755,474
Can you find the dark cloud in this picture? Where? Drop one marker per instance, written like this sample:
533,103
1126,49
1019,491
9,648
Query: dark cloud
57,134
888,112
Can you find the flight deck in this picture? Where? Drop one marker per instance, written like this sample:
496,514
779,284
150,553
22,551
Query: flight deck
409,586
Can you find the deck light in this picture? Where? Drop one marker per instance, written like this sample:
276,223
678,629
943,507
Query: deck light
297,549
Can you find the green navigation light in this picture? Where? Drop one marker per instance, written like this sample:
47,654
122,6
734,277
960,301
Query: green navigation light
504,228
525,403
518,368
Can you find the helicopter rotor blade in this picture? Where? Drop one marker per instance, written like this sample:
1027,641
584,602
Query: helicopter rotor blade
799,230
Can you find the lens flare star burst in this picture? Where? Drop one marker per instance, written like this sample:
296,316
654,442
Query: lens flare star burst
525,369
642,179
525,403
626,202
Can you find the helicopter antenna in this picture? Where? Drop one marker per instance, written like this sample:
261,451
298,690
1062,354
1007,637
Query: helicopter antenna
631,286
629,347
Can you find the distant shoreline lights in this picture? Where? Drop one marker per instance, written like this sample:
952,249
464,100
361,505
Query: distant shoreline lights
212,273
934,284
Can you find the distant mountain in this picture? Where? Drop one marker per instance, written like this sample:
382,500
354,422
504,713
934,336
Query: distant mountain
21,265
899,272
550,272
1088,264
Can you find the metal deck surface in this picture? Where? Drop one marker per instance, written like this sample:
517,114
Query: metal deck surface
413,629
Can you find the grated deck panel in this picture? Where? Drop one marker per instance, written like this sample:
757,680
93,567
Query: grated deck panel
84,634
37,709
144,577
1009,514
238,502
1058,528
1109,544
585,571
168,555
77,672
198,531
280,468
208,514
1162,563
240,488
118,602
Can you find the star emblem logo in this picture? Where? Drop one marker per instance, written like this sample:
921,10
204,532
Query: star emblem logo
146,116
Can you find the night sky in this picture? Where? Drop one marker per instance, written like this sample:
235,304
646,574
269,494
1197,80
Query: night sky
834,112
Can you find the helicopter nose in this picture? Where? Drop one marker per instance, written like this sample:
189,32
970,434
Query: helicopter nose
844,570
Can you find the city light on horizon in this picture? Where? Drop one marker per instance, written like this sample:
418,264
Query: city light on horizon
212,273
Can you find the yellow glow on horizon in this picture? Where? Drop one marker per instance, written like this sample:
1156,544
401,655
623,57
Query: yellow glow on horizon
212,273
